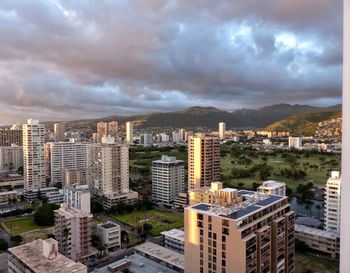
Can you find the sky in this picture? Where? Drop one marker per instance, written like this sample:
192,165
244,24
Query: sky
64,60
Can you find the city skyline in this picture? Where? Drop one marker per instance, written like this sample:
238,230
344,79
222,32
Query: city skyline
145,56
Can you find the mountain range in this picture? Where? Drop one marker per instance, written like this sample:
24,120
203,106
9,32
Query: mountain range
210,117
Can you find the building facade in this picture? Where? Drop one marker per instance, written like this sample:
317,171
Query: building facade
11,157
78,197
273,187
129,132
332,203
33,155
255,235
203,161
110,234
295,143
9,137
168,179
222,130
174,239
59,132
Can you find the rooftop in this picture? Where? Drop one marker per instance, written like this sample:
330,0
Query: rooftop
161,253
315,231
32,255
271,184
177,234
252,202
109,225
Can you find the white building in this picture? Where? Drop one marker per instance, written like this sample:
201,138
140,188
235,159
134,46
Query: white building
63,156
167,179
11,157
271,187
110,235
108,172
73,232
129,132
176,136
78,197
55,197
146,139
332,203
33,155
174,239
59,132
295,143
222,130
41,256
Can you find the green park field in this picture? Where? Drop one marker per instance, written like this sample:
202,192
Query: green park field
21,225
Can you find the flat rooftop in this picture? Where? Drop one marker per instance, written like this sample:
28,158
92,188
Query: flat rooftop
315,232
31,255
252,202
109,225
163,254
177,234
140,264
271,184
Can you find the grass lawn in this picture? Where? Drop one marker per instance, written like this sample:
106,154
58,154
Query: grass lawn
160,220
306,262
21,225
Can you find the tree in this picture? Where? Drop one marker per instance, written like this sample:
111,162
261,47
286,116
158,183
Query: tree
3,245
96,207
125,237
147,227
44,216
96,241
17,239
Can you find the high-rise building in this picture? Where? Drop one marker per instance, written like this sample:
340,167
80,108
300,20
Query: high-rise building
332,203
73,232
295,143
146,139
222,130
183,135
345,191
63,156
113,129
74,177
102,130
11,157
203,161
8,137
108,172
129,132
59,132
273,187
255,234
78,197
168,179
33,155
176,136
41,256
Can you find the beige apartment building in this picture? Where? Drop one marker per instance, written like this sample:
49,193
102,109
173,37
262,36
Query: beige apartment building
73,232
203,161
59,132
102,130
8,137
256,234
11,157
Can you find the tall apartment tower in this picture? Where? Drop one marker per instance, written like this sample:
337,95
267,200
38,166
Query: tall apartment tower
332,203
102,130
129,132
11,157
65,156
255,234
113,128
222,130
9,137
295,143
108,171
168,179
33,155
203,161
345,202
59,132
73,232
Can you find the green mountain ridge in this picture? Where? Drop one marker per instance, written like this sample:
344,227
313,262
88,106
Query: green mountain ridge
303,124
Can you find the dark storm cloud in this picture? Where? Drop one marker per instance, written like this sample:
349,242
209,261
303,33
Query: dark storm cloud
76,59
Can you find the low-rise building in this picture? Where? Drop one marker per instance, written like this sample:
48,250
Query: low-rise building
41,256
273,187
317,239
7,196
109,233
55,197
181,201
174,239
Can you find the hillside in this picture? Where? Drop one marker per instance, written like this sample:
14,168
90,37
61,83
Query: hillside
303,124
207,117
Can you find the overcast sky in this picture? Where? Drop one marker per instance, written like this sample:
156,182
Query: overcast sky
82,59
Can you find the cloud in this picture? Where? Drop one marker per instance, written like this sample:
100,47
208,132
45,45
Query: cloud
76,59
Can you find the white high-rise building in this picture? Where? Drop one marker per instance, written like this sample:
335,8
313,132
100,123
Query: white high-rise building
222,130
332,203
59,131
65,156
176,136
78,197
129,132
168,179
33,155
295,143
108,172
11,157
345,191
146,139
